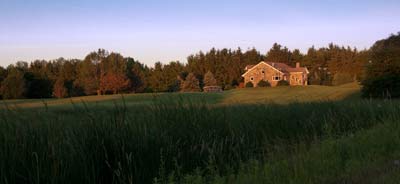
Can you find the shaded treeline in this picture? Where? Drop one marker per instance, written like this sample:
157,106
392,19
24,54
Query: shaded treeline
382,78
101,72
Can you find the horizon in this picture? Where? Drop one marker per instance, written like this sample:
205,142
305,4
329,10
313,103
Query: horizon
155,31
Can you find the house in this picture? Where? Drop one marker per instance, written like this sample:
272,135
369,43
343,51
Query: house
274,72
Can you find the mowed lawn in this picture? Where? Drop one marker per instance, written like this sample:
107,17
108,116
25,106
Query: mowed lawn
290,94
278,95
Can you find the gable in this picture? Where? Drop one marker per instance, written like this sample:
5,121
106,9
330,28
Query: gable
259,65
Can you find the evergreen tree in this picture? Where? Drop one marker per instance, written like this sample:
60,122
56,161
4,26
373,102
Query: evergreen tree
136,72
156,81
170,73
209,79
278,54
191,84
297,56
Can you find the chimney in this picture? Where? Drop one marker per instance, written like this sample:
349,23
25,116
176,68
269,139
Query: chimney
297,65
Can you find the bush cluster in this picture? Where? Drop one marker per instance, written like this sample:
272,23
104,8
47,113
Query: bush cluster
263,83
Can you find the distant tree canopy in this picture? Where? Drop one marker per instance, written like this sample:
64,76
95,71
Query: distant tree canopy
382,77
103,72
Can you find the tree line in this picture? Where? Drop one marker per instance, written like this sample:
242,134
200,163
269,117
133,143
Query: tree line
103,72
382,78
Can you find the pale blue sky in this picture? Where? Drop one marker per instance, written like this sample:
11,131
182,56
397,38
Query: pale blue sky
161,30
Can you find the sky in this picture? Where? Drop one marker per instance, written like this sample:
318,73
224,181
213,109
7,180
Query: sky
171,30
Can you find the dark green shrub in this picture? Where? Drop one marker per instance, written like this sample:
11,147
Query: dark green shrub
263,83
249,85
386,86
283,83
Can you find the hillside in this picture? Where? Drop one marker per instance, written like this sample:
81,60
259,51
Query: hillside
287,94
238,136
280,95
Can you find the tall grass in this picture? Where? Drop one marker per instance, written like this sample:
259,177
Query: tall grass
170,139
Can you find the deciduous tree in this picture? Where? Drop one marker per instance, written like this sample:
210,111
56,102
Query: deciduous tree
383,74
13,86
59,89
88,72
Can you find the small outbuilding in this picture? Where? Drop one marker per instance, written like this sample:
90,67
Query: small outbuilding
212,89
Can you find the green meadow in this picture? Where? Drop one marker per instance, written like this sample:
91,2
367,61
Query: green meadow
310,134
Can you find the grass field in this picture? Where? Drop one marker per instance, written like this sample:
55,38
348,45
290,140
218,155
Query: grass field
281,95
313,134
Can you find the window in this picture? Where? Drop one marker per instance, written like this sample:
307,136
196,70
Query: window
251,78
263,71
276,77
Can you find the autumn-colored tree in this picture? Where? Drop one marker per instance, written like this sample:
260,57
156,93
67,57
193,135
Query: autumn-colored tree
59,89
114,83
113,76
209,79
191,84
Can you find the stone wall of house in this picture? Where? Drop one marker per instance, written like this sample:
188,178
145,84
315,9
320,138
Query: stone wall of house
297,79
263,72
